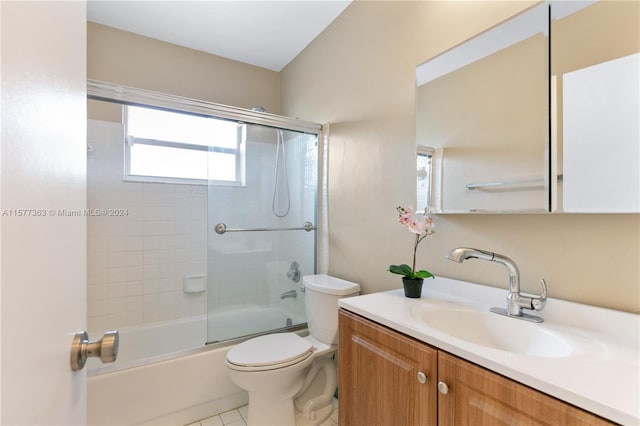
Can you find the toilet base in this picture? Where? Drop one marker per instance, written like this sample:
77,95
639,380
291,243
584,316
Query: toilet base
267,411
314,404
308,402
314,418
264,411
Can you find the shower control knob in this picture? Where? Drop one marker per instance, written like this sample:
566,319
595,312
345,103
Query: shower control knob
294,272
81,348
422,378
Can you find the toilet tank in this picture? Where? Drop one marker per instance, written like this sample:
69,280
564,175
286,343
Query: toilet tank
321,302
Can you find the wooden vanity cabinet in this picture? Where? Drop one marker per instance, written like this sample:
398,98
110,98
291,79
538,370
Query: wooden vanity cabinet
478,396
378,371
378,386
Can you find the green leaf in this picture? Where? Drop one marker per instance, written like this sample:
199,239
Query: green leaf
424,274
401,270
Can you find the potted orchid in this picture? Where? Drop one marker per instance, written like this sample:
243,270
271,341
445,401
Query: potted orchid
422,226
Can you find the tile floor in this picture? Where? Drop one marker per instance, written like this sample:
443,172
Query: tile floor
238,417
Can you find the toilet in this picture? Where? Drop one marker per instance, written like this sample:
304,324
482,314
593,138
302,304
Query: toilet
291,380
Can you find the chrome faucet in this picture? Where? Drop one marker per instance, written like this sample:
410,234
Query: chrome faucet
287,294
516,301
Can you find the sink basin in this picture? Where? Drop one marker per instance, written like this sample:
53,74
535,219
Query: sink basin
493,331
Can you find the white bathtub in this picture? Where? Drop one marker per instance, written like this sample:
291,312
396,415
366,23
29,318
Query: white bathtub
244,320
164,375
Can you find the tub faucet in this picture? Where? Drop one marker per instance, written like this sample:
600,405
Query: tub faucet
287,294
516,301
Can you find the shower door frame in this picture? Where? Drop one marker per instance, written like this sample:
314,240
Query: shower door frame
110,92
126,95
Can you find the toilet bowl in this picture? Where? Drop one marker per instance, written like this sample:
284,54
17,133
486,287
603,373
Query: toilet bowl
291,379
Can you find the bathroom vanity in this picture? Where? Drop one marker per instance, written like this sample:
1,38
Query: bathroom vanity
445,359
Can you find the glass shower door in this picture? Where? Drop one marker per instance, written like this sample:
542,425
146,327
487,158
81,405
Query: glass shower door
262,233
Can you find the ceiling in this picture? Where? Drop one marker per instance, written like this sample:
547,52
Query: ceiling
267,34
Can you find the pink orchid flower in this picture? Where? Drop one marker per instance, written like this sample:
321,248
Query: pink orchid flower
421,225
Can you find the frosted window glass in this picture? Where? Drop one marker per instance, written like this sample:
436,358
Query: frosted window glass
171,146
171,126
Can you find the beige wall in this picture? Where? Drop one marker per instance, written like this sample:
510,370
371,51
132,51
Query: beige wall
359,76
132,60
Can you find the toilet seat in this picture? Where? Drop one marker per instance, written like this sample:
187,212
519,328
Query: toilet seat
269,352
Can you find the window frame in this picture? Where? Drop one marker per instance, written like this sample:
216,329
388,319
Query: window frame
239,152
428,196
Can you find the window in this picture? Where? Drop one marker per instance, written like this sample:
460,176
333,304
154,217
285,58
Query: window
173,147
424,157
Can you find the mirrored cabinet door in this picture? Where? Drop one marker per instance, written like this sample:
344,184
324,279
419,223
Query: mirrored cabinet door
483,107
596,91
540,113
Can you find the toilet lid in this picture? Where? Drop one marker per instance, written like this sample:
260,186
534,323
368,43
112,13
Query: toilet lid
271,349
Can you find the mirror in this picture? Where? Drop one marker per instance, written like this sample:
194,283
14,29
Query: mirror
595,89
510,136
483,107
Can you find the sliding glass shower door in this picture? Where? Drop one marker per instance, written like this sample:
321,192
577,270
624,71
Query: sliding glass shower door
262,231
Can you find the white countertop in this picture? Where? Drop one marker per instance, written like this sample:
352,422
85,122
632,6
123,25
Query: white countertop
600,375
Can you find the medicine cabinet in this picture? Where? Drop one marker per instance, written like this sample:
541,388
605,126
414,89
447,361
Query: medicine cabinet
537,114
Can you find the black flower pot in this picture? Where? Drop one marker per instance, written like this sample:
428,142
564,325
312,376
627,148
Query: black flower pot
412,287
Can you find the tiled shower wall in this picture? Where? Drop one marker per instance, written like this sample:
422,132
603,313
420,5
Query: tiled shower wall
137,261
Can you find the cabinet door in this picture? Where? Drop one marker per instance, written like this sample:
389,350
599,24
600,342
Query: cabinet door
378,376
479,397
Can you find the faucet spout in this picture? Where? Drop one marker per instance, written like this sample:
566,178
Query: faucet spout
288,294
516,301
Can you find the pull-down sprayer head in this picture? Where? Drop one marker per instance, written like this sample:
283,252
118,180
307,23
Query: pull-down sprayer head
461,254
515,301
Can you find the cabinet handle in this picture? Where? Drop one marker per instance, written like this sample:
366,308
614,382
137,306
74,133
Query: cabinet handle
422,378
443,388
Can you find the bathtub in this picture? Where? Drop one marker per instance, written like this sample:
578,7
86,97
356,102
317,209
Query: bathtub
165,375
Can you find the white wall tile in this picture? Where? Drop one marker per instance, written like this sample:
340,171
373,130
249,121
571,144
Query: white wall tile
133,262
97,292
151,256
117,305
151,272
151,242
117,290
135,258
134,243
134,273
134,288
117,259
117,274
167,284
